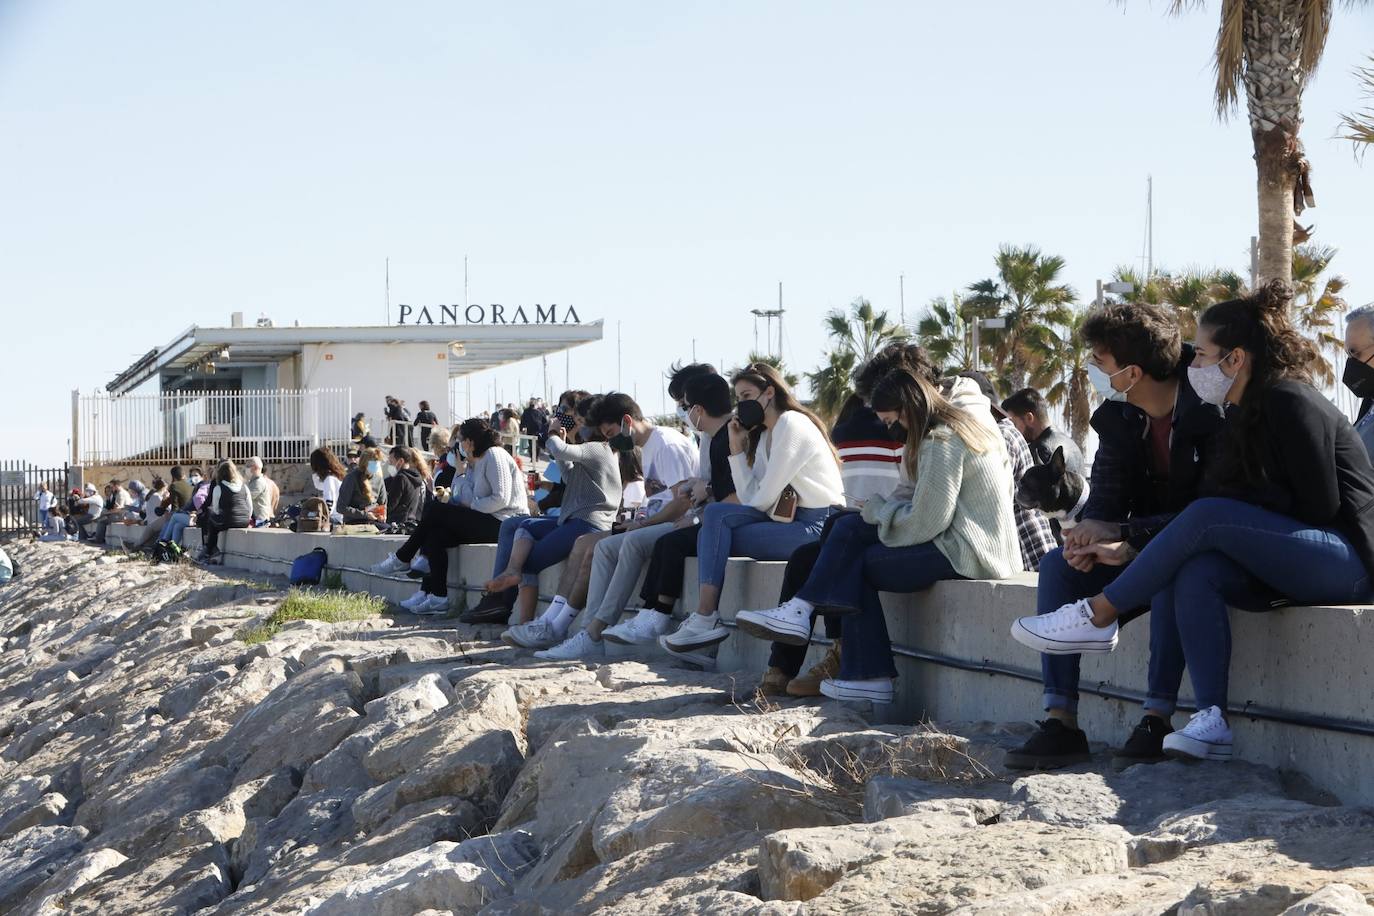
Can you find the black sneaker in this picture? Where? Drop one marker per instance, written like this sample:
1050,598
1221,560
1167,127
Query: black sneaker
1054,746
491,609
1146,744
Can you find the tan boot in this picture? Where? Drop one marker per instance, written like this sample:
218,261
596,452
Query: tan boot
809,684
774,683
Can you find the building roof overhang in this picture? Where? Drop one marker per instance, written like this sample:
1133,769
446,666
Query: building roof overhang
472,347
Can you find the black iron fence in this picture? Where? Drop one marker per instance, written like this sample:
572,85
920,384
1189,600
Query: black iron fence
19,483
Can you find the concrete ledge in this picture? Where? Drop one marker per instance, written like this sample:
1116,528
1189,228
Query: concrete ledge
956,660
130,537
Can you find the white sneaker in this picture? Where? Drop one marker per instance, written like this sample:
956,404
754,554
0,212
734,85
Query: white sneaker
696,632
1205,737
415,600
432,605
1067,631
420,564
579,645
790,623
388,567
642,629
537,634
878,690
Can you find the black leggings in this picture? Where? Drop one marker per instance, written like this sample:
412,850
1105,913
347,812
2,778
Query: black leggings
668,564
790,658
211,528
442,526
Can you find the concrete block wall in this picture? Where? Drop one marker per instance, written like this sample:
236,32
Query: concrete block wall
1307,662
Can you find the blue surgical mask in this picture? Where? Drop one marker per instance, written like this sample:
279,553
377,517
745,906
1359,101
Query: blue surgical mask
1102,383
374,468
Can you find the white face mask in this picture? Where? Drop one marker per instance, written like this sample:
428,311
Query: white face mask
1102,383
685,415
1211,383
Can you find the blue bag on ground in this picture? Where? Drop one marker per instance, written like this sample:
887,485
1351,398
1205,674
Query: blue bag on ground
307,568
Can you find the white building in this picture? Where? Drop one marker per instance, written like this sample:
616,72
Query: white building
282,391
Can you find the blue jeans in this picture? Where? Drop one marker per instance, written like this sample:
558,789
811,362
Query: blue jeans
178,523
731,530
1223,551
853,567
553,543
1060,584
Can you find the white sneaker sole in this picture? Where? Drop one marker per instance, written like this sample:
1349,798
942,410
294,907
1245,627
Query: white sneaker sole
551,657
1182,747
873,695
762,626
1048,646
700,641
621,639
522,642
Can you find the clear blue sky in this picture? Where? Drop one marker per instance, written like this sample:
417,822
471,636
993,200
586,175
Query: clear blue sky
660,165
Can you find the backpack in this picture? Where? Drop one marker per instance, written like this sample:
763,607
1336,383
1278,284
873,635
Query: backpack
314,515
308,568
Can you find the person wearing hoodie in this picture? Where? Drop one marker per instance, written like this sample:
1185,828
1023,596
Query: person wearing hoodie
406,488
231,506
361,489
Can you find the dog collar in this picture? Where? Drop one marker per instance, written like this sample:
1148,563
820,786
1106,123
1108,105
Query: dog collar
1068,519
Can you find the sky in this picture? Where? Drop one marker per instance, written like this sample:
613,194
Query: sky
662,167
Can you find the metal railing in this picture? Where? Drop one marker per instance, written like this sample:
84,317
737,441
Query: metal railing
181,427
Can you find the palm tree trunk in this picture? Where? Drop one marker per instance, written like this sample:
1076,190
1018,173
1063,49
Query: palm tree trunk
1274,82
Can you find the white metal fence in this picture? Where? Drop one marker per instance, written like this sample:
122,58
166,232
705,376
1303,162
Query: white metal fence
183,427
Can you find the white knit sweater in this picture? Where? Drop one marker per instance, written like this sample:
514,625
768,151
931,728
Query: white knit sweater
793,452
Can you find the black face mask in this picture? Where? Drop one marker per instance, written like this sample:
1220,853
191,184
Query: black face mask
750,413
897,432
1359,378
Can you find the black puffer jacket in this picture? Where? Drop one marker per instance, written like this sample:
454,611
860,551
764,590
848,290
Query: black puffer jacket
232,505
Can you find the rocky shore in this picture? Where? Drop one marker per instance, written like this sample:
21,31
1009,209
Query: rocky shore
152,761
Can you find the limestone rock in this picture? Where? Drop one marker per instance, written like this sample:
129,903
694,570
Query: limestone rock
33,856
47,811
457,877
977,802
1332,900
52,896
190,880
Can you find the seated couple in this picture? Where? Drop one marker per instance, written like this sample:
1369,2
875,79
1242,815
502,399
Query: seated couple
1223,478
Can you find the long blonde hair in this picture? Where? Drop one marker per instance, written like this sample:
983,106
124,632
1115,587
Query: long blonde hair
763,376
922,408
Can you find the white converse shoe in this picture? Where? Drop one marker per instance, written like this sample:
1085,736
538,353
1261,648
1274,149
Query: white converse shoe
388,567
696,632
537,634
790,623
643,629
579,645
877,690
1205,737
415,600
1067,631
431,606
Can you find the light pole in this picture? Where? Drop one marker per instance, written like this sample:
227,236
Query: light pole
992,324
1116,288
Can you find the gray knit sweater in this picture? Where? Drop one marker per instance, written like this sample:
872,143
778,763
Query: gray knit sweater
591,474
493,485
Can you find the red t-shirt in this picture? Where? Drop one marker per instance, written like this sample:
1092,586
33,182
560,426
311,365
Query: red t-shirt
1161,429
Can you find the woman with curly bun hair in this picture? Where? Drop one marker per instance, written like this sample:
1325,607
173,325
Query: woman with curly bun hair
1287,514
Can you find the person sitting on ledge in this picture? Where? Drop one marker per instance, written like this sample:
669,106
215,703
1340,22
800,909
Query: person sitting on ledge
407,488
591,472
490,491
951,518
327,474
611,566
358,496
1155,439
787,478
1288,512
230,506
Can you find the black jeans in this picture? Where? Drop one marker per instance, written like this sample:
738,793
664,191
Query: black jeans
788,658
445,525
211,527
668,565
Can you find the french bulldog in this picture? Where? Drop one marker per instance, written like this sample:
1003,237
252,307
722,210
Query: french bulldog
1057,492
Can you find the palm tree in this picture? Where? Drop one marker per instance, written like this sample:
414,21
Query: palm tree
1028,294
1359,127
1317,305
945,332
862,331
1271,48
1061,373
855,337
833,383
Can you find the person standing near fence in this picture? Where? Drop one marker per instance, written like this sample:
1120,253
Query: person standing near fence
44,498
